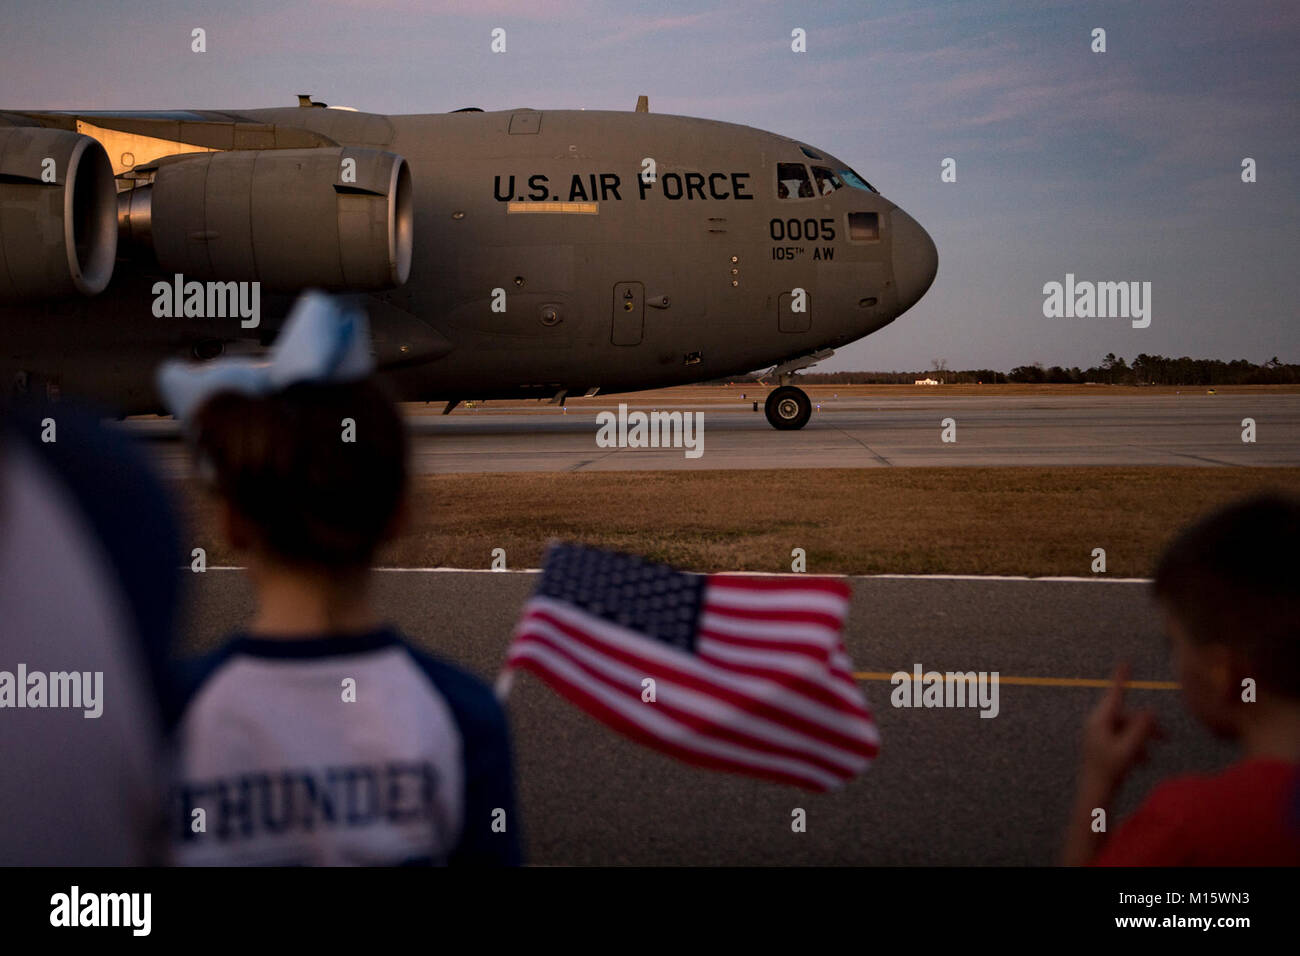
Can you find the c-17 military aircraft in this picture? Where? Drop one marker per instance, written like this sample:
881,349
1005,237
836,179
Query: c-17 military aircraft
520,253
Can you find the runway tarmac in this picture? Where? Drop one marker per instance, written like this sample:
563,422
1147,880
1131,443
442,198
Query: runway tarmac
1188,429
949,786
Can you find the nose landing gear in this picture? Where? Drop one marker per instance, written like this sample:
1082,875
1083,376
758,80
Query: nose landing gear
788,408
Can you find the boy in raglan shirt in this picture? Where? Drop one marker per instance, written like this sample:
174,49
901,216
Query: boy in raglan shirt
1229,587
318,735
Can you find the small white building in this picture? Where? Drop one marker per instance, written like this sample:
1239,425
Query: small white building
926,381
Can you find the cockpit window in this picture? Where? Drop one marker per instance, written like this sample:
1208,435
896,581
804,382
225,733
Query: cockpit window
827,181
856,181
808,152
792,181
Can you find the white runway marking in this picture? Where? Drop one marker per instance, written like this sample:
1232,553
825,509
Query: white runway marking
779,574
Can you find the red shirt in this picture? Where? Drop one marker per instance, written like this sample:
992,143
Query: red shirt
1248,815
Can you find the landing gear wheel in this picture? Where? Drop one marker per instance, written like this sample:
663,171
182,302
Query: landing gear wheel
788,408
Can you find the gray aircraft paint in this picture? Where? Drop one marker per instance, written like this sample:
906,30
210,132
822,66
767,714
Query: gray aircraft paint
699,272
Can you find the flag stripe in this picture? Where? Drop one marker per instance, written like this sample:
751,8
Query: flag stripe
818,655
808,639
722,594
828,622
797,585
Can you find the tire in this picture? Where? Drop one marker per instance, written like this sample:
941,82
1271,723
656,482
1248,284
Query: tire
788,408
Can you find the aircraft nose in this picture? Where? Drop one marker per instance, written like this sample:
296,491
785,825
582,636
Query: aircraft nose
916,260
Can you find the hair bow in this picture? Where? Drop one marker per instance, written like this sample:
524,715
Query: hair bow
323,340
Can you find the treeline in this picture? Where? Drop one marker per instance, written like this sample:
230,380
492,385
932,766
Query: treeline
1159,370
1113,370
947,376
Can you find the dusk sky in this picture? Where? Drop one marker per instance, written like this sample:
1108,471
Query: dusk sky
1123,165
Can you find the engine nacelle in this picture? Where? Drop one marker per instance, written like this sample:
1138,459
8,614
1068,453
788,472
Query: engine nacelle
58,230
336,218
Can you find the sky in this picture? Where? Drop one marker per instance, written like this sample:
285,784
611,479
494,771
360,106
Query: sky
1115,166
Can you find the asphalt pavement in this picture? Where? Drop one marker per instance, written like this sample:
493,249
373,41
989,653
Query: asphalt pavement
949,787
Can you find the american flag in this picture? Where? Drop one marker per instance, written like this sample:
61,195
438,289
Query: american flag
750,674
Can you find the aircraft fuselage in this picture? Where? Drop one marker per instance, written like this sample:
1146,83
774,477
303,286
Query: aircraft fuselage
554,252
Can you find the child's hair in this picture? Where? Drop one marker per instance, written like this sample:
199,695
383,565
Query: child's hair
1234,578
282,462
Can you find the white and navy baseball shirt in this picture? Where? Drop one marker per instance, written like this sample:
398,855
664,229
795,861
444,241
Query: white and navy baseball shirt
339,750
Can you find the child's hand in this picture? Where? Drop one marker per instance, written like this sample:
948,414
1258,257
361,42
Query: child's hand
1115,739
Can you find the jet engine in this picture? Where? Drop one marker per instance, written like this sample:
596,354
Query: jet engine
58,233
336,218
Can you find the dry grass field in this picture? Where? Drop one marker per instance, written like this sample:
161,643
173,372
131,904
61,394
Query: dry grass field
1034,521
